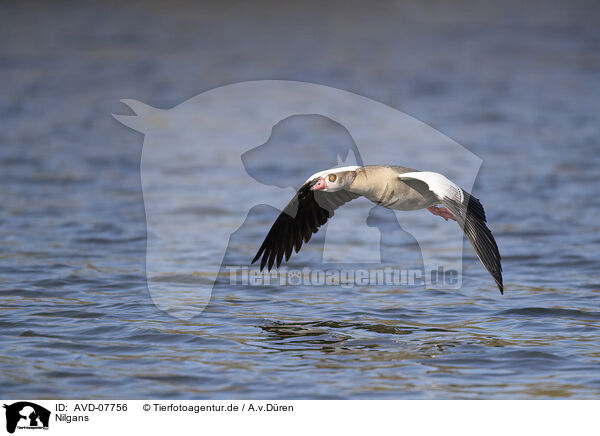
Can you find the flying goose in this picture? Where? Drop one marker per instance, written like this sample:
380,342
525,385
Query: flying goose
393,187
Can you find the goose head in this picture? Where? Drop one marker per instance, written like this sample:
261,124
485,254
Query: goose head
334,181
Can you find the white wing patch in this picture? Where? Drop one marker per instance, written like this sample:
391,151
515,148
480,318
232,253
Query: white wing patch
330,171
438,184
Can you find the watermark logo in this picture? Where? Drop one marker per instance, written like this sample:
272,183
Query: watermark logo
25,415
343,278
217,169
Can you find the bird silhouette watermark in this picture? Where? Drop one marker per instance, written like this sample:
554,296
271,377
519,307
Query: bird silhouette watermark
219,168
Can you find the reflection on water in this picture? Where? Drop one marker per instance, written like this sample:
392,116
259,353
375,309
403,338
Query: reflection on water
520,92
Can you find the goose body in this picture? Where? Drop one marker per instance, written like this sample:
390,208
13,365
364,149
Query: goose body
392,187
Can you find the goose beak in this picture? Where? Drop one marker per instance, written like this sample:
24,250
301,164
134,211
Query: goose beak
319,185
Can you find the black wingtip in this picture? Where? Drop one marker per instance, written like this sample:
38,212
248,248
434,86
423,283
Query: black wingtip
481,238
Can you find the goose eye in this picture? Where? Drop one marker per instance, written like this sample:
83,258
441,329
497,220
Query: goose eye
332,177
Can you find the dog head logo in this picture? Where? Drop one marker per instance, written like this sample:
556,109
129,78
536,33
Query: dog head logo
210,160
26,415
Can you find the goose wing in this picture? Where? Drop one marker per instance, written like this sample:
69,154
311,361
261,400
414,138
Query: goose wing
302,217
469,214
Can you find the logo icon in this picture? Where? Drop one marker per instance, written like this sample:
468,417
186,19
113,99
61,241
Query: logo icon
26,415
209,164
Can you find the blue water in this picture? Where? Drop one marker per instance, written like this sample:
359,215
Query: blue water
516,85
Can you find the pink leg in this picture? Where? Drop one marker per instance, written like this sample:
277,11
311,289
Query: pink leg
441,211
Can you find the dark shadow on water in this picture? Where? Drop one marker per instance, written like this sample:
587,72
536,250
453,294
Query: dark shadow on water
542,312
341,330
